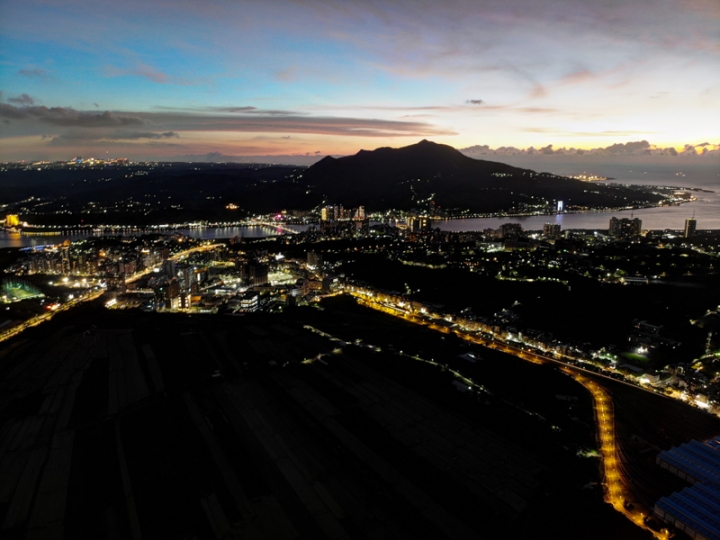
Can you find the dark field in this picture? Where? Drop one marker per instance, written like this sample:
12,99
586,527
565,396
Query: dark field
129,425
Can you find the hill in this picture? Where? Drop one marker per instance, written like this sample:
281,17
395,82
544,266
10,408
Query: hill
429,173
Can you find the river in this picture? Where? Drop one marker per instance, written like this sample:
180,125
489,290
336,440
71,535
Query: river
16,240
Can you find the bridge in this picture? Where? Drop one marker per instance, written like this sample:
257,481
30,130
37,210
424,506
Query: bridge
277,226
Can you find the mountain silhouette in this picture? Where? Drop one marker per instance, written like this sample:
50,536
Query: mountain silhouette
412,176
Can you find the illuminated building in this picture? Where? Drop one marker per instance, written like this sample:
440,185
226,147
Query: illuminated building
12,220
690,227
625,227
419,224
65,258
560,207
249,301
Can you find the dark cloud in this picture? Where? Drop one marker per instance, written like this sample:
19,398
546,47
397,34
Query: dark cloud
85,138
628,148
10,111
250,120
37,72
22,99
67,117
270,123
474,102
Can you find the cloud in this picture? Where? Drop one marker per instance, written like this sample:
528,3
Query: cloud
67,116
37,72
628,148
146,72
247,110
90,138
474,102
635,148
286,75
136,135
23,99
244,119
580,76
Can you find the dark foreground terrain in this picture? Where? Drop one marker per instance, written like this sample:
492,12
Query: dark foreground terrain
135,425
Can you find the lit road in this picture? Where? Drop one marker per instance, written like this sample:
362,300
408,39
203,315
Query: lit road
92,295
34,321
177,256
616,490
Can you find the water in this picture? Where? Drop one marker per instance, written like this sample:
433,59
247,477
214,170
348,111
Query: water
16,240
670,172
703,173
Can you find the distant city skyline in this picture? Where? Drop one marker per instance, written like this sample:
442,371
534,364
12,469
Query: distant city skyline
175,80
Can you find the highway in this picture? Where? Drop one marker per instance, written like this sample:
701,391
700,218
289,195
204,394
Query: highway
616,486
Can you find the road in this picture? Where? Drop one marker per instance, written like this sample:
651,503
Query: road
86,296
616,486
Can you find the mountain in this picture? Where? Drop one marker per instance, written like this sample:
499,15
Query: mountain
414,175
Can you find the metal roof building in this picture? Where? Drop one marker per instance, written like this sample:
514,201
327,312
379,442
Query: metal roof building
696,509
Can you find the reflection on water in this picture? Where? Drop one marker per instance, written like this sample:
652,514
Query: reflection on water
16,240
707,214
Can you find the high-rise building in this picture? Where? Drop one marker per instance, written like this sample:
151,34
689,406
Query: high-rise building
625,227
510,230
65,258
552,230
690,227
419,224
168,267
258,273
314,259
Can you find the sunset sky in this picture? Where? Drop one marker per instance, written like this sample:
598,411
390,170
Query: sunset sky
181,79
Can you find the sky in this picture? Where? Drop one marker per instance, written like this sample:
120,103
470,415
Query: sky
214,80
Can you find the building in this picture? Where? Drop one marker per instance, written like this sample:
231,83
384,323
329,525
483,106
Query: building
332,213
625,228
257,273
419,224
552,230
314,259
12,220
690,227
249,302
168,267
510,230
694,510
